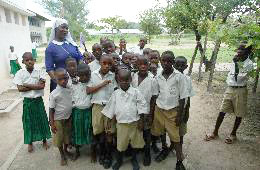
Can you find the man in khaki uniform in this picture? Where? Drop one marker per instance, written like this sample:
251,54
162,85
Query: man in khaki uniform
235,97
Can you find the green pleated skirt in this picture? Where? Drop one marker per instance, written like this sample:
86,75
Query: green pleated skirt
14,67
35,120
82,126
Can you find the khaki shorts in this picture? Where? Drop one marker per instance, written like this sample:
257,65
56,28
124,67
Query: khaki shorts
235,101
128,133
165,120
99,121
63,134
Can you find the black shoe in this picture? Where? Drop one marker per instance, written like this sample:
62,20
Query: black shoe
135,164
162,155
180,166
147,160
117,164
107,163
101,159
155,148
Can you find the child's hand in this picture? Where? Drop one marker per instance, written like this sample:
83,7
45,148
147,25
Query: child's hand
53,128
108,126
106,82
140,125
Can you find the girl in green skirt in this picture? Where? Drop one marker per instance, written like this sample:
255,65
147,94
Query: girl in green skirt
14,64
31,82
81,114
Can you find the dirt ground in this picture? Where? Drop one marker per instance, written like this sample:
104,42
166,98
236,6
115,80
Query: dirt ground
200,155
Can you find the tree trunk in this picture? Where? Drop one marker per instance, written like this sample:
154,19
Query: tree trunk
193,59
202,57
214,59
198,38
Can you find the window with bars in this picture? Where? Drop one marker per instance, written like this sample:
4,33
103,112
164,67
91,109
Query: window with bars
23,20
16,18
8,15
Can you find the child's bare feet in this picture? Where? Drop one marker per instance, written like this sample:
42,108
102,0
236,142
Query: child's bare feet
45,145
210,137
30,148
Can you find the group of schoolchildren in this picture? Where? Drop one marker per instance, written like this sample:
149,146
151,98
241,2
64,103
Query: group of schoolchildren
119,103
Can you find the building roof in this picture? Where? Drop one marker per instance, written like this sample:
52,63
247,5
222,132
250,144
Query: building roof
11,5
38,15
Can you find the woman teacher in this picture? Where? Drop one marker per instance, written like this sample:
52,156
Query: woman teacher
61,46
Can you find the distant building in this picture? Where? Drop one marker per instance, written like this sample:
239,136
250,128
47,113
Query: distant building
108,31
14,30
37,27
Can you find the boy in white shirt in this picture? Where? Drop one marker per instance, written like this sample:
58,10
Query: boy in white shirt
127,106
102,85
31,82
181,65
97,52
145,83
169,106
235,97
60,105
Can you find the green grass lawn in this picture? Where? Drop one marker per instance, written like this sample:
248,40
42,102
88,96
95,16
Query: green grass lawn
161,43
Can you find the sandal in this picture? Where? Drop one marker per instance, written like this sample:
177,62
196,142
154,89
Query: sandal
230,139
162,155
210,137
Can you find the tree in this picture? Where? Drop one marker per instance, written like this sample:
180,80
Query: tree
181,15
74,11
114,23
150,22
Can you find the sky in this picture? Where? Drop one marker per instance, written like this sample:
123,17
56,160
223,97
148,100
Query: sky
127,9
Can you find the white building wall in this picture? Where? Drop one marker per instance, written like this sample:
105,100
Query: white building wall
15,35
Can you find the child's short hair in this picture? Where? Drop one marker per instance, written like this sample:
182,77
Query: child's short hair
60,69
25,54
147,51
107,42
95,45
181,57
69,59
168,53
126,54
83,67
156,51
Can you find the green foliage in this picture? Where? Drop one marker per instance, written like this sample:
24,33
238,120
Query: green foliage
74,11
115,22
150,22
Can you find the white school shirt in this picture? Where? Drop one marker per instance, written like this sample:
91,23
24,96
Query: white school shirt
12,56
80,98
242,77
102,95
126,105
61,101
159,69
136,50
171,90
94,65
24,77
147,87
